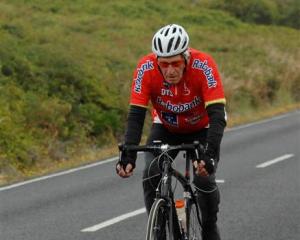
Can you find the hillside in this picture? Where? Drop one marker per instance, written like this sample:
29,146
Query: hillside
66,68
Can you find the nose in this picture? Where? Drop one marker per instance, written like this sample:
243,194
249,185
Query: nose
170,68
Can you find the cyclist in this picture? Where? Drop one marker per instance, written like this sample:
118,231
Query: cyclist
188,104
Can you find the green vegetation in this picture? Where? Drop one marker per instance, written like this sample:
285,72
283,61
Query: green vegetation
66,68
276,12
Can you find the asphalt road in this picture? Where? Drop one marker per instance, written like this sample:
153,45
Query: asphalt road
257,203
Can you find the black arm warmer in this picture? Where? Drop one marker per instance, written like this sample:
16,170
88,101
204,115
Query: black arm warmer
217,123
136,118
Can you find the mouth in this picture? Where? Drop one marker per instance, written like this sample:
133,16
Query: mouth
172,77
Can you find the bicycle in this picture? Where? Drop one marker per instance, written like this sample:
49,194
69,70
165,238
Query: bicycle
163,221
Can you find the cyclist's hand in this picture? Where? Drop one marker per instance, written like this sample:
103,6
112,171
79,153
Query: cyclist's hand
200,168
126,164
124,172
210,164
206,166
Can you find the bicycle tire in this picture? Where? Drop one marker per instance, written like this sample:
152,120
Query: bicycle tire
157,225
194,221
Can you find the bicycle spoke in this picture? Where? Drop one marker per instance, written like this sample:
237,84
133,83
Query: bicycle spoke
157,228
194,225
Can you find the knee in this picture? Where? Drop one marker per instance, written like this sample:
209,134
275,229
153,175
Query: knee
210,200
205,183
151,173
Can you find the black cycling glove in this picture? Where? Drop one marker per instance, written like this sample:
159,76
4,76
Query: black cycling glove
209,160
127,157
210,164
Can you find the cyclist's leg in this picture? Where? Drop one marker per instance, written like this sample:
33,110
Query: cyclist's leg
209,199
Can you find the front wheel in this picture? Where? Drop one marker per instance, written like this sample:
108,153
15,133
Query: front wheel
158,221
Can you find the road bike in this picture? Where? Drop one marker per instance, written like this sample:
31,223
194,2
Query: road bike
165,222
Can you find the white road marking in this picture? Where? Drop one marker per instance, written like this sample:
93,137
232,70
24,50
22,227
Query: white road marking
58,174
114,220
261,122
276,160
220,181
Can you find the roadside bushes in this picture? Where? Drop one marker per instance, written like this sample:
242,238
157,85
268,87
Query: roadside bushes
278,12
51,107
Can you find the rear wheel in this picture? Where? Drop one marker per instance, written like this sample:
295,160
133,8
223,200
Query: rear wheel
158,222
194,221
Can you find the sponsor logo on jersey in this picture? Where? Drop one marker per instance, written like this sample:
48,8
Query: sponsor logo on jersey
140,74
208,72
193,119
170,118
179,108
166,92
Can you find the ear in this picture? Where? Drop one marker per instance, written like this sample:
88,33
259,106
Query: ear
187,56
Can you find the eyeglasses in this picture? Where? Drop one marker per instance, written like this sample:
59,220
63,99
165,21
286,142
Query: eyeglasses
173,64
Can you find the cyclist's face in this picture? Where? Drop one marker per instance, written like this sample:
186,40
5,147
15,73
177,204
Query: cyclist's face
172,68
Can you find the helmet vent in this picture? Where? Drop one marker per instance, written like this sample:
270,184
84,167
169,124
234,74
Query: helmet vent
177,43
160,46
155,44
170,44
166,33
184,44
174,29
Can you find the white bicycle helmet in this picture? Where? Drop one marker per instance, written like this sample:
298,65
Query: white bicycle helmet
170,40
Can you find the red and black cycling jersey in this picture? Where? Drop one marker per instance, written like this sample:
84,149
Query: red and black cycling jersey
181,108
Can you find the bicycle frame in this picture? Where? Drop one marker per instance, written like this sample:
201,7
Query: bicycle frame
164,190
166,193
